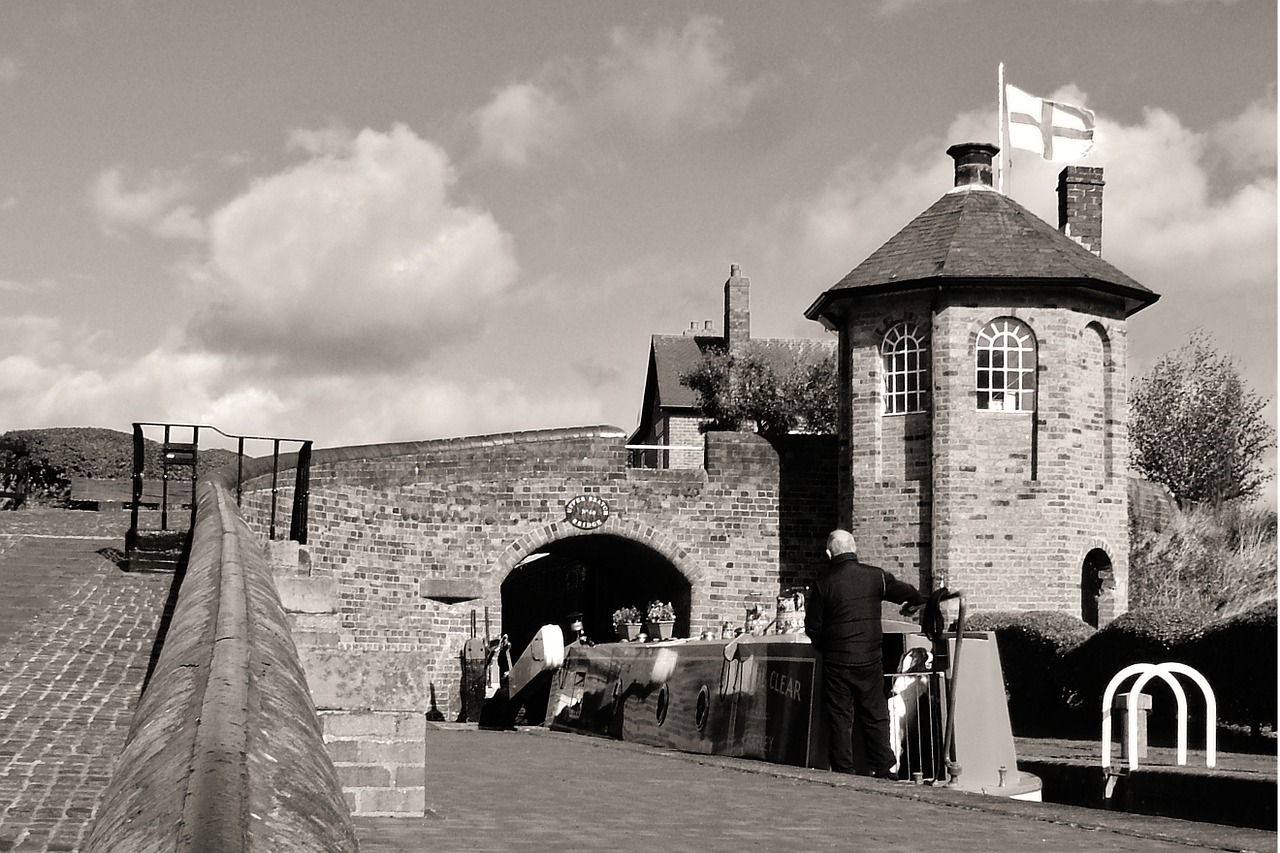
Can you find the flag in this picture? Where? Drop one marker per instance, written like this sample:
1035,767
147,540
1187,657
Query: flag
1055,131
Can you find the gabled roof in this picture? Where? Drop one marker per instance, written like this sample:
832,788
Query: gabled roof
976,235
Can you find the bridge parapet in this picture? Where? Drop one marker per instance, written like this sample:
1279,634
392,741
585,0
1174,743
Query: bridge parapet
225,751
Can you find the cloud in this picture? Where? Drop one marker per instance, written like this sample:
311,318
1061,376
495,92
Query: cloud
350,262
521,119
657,84
1247,142
154,206
59,383
674,79
10,70
333,139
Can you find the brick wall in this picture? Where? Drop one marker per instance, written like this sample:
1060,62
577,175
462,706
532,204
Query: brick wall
949,497
684,431
1016,514
390,524
890,456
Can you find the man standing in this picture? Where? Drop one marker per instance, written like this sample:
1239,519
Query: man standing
842,617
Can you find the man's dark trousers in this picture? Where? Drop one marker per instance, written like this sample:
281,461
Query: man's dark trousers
855,697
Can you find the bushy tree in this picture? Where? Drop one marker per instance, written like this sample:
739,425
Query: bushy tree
1196,427
736,392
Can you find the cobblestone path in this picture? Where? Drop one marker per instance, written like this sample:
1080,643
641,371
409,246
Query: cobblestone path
75,639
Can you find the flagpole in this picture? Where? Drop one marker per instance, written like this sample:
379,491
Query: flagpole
1000,155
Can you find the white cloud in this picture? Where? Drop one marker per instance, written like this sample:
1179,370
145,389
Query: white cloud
45,381
657,84
1248,141
520,120
349,262
10,70
332,139
674,79
154,206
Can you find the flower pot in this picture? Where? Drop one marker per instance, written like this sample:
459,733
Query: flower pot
628,631
661,630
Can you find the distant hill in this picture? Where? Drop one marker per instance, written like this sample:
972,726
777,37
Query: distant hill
52,457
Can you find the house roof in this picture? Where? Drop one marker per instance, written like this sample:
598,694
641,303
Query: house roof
975,235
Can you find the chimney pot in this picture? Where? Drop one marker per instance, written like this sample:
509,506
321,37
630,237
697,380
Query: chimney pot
973,163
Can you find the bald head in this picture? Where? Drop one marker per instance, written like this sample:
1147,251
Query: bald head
841,542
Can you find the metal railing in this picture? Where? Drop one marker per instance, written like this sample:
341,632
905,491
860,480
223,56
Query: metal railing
917,725
179,455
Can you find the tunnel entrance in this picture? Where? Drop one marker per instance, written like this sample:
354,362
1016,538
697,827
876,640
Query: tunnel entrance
594,575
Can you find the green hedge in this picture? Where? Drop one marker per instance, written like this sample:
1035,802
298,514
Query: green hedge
1032,647
1056,668
1238,657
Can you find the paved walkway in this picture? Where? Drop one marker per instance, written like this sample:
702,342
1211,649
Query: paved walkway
75,639
545,791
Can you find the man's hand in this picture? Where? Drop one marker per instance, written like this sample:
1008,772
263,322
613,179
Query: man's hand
911,610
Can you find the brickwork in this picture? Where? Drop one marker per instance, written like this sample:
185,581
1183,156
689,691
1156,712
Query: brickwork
1019,504
684,431
75,637
988,501
890,456
389,522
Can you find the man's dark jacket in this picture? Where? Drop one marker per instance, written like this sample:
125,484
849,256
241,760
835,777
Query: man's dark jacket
842,614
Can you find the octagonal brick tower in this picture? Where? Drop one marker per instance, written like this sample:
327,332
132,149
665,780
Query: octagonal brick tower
982,360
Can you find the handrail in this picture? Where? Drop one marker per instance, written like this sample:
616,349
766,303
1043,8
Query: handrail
185,454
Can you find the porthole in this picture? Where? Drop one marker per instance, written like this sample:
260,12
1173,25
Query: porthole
704,708
664,698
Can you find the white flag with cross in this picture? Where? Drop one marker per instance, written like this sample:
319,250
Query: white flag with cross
1056,131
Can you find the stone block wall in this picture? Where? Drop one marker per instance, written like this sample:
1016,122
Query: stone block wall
380,757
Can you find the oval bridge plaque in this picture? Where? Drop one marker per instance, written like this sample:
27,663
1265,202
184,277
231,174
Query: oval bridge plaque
586,511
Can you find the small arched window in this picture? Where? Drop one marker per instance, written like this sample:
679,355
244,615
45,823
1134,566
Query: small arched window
1006,368
906,369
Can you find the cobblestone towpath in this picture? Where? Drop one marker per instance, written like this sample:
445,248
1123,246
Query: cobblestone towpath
75,639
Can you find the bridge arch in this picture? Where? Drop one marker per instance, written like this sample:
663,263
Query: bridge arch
558,569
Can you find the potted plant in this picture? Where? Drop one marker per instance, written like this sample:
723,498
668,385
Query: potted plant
626,621
662,619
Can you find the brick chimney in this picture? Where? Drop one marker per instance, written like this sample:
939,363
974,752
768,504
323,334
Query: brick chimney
737,309
1080,205
973,163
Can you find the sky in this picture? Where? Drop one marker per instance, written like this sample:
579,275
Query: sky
392,220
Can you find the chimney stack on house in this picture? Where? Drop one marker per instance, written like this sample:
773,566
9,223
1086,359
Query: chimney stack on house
1080,205
737,310
973,163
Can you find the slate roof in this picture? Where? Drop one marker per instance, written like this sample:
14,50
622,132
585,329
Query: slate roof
973,236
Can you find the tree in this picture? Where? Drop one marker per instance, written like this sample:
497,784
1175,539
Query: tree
738,391
1196,427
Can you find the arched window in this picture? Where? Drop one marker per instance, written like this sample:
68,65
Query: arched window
906,369
1006,367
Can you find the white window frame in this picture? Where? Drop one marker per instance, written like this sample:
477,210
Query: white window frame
1005,366
904,363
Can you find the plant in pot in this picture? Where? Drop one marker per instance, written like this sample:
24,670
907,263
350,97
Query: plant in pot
662,619
627,622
